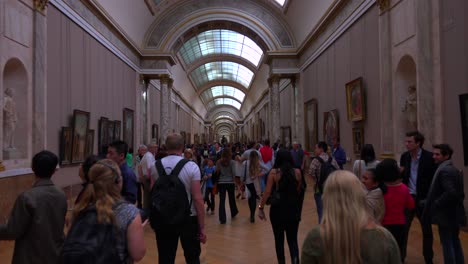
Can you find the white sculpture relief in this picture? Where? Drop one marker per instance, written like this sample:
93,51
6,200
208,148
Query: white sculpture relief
10,119
411,109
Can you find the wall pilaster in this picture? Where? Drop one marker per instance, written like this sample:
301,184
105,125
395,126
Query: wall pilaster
39,127
273,82
386,94
166,87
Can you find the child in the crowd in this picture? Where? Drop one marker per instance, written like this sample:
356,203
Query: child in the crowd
207,177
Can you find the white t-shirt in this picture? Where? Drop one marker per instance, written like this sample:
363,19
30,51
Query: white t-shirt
190,172
148,162
359,167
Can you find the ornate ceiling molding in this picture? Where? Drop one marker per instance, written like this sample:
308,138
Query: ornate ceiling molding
268,24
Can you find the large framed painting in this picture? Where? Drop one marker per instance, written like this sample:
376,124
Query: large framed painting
103,135
155,133
89,142
184,136
286,136
117,129
464,125
80,130
110,132
66,140
189,138
128,123
355,100
310,124
358,139
331,126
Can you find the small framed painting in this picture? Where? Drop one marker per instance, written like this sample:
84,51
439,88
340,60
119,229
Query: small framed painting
80,130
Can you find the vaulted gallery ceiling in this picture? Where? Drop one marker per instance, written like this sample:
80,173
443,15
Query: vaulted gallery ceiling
220,44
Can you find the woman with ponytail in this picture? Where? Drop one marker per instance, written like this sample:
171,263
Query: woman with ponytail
103,193
285,182
348,234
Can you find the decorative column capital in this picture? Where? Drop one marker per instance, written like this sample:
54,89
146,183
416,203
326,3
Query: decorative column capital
40,5
383,4
274,79
166,79
143,79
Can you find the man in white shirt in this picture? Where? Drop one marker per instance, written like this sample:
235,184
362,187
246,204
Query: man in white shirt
146,169
190,234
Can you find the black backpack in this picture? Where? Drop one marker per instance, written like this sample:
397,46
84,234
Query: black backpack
326,168
90,242
170,204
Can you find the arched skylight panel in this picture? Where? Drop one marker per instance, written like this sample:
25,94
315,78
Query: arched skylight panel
280,2
220,41
224,117
218,70
222,91
228,101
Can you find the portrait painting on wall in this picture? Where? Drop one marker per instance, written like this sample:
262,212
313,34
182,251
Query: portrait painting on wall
103,136
117,129
286,136
89,142
358,139
128,122
66,140
310,126
464,124
110,132
155,133
331,126
80,131
355,100
184,136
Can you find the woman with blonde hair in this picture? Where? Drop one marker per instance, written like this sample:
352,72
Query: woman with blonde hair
103,194
348,235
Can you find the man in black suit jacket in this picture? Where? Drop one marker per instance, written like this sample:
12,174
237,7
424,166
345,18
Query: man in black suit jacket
444,204
418,167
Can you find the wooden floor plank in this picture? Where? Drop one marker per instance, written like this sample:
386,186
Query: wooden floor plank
239,241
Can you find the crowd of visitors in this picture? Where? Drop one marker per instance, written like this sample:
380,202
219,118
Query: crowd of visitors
364,214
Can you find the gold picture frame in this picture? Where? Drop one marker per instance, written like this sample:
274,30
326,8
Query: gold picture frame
355,100
331,126
358,139
310,124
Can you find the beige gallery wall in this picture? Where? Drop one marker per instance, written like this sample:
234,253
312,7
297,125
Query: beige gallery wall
355,54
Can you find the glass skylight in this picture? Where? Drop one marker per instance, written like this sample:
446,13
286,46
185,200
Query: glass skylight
222,70
223,101
220,41
216,91
223,114
280,2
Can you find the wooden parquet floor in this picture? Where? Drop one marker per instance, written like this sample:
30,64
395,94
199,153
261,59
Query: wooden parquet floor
239,241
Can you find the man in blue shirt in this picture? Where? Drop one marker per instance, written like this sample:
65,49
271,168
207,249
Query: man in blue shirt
338,152
116,152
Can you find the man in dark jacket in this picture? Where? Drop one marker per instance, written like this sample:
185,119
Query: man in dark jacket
418,167
444,204
37,219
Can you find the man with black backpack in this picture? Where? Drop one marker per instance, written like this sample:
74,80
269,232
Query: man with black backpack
177,209
320,167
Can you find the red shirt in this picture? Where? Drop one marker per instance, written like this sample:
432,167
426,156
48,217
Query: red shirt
396,200
267,153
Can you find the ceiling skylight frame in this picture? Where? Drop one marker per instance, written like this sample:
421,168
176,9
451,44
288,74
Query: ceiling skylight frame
220,41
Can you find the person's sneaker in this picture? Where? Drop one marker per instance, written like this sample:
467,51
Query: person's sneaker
238,195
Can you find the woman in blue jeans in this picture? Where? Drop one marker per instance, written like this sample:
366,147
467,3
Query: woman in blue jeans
285,181
225,166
